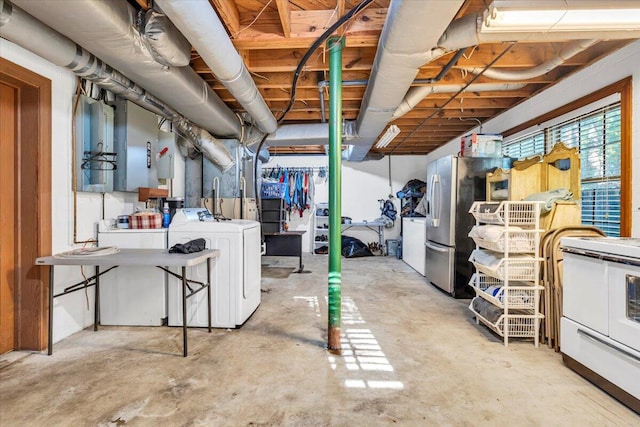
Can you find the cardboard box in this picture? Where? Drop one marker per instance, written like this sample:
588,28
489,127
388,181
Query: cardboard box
481,145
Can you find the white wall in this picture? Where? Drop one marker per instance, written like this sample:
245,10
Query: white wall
363,183
75,311
617,66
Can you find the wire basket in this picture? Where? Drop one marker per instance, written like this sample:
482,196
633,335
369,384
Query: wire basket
513,241
523,269
506,213
494,291
519,326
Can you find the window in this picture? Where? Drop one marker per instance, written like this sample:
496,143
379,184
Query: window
597,135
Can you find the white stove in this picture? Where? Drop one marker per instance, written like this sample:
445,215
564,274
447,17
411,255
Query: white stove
600,327
617,246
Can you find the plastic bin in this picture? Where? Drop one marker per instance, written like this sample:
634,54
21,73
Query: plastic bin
392,247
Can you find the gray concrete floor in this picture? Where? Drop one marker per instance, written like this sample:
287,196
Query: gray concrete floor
419,360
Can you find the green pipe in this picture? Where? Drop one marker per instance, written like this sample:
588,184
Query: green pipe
335,46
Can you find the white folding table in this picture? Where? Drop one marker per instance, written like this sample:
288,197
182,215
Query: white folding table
159,258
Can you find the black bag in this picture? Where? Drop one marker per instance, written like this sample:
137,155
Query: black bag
196,245
354,248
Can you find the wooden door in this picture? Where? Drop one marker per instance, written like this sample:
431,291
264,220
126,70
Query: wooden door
7,216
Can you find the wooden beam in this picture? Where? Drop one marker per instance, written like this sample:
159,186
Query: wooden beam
284,60
340,8
285,16
228,12
305,27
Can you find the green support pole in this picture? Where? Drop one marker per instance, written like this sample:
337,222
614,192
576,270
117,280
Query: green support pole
335,46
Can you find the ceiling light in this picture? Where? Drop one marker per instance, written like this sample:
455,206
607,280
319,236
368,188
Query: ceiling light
388,136
505,16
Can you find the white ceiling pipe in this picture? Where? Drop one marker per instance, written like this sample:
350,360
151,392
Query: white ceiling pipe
405,45
19,27
107,29
418,93
198,22
567,52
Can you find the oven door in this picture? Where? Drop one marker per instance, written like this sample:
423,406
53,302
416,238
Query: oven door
585,291
624,304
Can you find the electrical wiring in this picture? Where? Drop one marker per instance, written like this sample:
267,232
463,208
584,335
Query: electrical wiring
344,18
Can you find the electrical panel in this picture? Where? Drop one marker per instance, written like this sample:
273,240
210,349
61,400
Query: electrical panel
136,144
166,155
95,156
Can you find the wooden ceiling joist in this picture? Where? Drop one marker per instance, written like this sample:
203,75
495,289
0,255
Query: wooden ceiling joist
229,14
284,11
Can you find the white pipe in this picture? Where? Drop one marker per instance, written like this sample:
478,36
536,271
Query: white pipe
418,93
26,31
199,23
572,49
107,29
405,45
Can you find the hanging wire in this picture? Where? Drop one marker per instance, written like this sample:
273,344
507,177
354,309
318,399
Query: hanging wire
347,16
254,20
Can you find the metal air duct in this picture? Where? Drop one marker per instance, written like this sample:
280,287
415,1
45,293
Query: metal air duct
567,52
199,23
404,46
24,30
418,93
108,29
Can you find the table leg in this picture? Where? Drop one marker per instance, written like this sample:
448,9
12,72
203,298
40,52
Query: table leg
96,314
209,292
50,350
184,311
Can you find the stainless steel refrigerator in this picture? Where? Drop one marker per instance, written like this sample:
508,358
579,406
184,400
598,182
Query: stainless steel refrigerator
453,184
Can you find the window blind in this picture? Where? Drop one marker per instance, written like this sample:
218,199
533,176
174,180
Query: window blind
597,136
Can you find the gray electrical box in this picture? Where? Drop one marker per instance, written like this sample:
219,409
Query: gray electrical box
136,144
95,157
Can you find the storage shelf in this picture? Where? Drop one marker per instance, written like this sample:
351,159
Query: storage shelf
507,263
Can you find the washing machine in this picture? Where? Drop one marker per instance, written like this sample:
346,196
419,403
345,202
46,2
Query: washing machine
133,296
235,274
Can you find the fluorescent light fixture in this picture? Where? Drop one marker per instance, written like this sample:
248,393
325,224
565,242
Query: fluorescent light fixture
388,136
506,16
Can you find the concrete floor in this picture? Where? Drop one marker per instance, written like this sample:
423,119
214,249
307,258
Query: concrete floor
420,360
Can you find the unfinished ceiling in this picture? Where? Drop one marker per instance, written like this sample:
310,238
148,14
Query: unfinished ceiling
452,93
272,36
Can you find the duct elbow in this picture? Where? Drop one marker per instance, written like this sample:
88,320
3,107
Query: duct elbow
461,33
211,148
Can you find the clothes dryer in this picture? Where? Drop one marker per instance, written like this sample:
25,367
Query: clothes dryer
235,274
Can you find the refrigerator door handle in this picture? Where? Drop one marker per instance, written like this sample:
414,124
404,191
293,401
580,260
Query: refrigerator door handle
437,208
434,248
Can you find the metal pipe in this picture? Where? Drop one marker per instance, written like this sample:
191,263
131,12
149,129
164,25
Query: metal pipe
335,46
